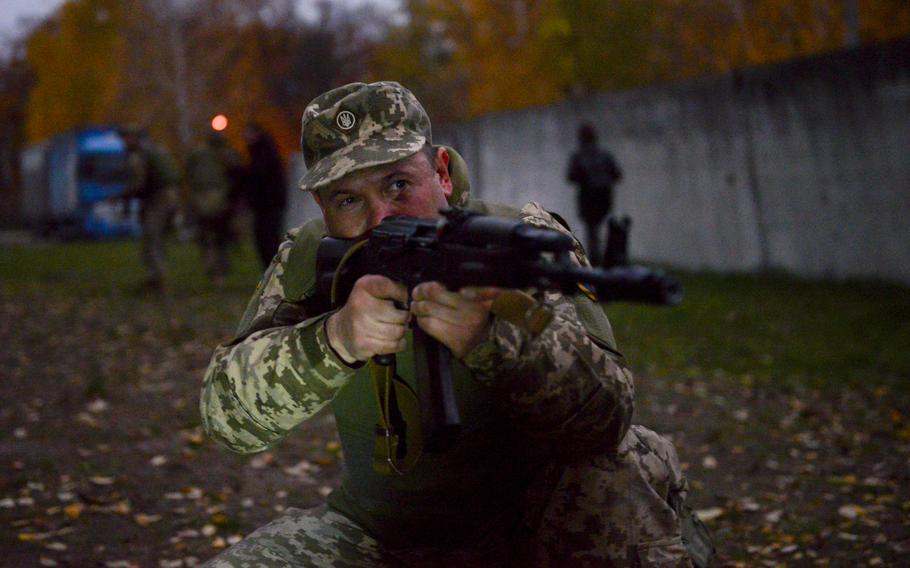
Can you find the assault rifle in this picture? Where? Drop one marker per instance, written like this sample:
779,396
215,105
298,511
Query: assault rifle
465,248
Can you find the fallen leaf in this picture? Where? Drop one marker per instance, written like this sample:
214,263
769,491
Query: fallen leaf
262,461
749,504
851,511
709,514
56,546
774,516
73,510
192,493
144,520
97,406
121,508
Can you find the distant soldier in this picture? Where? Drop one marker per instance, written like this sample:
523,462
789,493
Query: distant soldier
265,187
154,180
595,172
211,174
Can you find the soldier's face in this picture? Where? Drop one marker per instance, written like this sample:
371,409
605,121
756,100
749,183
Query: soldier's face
359,201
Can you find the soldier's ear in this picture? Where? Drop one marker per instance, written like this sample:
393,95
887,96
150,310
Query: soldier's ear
317,199
442,170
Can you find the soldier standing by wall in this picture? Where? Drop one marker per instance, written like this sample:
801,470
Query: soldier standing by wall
154,180
211,174
595,172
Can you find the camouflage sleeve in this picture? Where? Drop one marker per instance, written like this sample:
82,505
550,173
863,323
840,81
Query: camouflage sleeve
275,374
564,384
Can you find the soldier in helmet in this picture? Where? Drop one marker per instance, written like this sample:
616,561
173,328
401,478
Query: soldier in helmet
548,470
154,179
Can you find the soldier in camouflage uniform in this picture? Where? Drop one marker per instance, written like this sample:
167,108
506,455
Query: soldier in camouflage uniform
154,179
212,171
547,472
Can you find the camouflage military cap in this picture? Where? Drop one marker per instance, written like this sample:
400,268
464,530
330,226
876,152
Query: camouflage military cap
358,126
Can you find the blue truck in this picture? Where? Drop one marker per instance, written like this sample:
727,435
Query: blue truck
68,182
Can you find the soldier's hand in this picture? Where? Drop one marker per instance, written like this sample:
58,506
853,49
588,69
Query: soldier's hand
458,320
369,323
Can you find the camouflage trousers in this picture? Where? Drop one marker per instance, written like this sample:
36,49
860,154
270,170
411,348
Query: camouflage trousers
615,510
157,216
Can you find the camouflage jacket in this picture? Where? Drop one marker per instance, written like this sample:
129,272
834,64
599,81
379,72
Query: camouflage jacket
522,398
151,169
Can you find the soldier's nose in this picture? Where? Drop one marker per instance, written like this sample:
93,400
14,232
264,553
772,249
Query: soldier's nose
379,213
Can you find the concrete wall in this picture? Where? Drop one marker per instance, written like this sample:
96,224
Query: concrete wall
803,166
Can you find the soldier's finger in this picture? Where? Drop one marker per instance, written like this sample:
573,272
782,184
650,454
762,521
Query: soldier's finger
387,312
382,288
387,331
436,292
384,347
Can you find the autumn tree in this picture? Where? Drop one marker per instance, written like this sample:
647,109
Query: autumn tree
76,60
16,79
477,56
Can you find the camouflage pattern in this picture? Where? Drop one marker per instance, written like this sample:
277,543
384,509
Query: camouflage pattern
588,520
153,179
592,491
568,390
615,508
358,126
316,537
208,177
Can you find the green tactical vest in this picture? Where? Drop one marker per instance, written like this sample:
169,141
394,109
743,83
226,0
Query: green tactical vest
447,498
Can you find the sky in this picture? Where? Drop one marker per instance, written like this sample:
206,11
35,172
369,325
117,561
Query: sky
12,10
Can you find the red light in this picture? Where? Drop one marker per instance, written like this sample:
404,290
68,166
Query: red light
220,122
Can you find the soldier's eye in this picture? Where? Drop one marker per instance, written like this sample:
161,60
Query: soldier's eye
346,202
398,186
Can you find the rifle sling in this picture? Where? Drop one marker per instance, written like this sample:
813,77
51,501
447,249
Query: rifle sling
398,442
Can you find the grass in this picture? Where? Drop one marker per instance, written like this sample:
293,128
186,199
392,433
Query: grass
773,330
